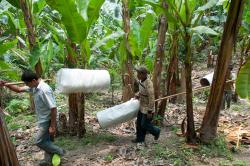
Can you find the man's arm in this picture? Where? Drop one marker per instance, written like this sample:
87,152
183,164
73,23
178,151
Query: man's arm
14,88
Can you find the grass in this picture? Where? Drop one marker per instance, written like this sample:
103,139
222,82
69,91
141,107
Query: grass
72,143
217,149
109,157
174,151
21,121
234,163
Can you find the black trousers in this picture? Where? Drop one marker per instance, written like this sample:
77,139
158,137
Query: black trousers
143,125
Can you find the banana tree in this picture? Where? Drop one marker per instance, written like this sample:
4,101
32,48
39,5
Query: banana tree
210,120
244,37
132,47
26,7
160,56
7,150
9,32
171,80
189,18
77,17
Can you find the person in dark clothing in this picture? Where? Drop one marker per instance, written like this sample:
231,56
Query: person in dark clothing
147,109
228,90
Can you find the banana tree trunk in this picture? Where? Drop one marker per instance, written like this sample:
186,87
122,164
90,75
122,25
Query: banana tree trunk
73,98
191,134
81,100
210,121
127,71
160,56
210,59
31,32
8,155
81,115
170,82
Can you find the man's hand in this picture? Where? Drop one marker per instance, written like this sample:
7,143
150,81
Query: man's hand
52,131
150,115
137,96
2,82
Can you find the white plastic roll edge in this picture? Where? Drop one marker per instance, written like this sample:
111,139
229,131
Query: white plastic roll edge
81,80
118,114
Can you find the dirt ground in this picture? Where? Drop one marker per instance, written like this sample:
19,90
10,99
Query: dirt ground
113,146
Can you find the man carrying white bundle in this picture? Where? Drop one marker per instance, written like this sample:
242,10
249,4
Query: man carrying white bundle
147,109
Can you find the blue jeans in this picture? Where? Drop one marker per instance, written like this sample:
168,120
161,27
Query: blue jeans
226,99
143,125
43,141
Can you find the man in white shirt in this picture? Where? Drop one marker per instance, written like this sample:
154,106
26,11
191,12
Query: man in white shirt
45,107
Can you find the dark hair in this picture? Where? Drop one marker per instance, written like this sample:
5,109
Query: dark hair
28,76
141,69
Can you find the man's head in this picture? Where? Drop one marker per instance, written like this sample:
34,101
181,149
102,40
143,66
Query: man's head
142,72
29,78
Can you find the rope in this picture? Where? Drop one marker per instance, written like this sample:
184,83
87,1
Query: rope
21,82
181,93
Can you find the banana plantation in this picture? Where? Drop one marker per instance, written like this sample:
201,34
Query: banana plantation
194,53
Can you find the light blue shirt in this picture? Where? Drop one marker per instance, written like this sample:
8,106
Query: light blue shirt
44,101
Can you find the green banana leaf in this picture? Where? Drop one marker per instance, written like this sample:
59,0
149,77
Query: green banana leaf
146,30
75,25
204,30
36,53
243,81
6,46
208,5
93,11
14,3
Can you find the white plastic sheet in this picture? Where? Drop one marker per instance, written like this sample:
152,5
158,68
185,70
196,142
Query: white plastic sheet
81,80
118,114
207,79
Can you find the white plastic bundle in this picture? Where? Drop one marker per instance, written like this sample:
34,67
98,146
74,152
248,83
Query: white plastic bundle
207,79
118,114
81,80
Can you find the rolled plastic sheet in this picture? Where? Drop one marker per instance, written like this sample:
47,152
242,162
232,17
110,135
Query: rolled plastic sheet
118,114
81,80
207,79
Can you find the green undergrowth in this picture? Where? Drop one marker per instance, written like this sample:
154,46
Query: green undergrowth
175,151
22,121
90,138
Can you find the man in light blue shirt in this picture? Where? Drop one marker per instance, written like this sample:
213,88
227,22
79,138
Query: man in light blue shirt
45,107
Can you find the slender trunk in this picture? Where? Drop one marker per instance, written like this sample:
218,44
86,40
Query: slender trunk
31,32
73,109
81,101
81,115
127,70
191,134
209,59
182,98
8,155
178,81
159,58
210,121
170,82
72,99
